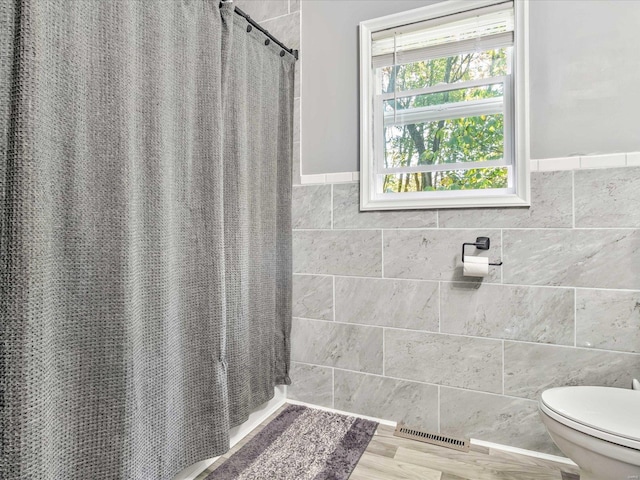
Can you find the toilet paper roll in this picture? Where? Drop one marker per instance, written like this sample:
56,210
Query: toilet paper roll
475,266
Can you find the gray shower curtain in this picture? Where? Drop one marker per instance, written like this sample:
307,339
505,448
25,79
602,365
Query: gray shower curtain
144,234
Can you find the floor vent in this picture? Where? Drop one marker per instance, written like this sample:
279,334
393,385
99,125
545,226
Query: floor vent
434,438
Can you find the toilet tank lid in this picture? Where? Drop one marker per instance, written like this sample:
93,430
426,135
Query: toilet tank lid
612,410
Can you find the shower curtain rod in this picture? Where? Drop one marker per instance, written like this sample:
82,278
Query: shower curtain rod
271,37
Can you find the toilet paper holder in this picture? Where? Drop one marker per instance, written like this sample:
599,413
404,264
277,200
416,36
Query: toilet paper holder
481,243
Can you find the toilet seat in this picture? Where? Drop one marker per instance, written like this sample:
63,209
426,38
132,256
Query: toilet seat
610,414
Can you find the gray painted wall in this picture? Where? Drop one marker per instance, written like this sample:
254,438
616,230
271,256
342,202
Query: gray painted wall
584,77
330,79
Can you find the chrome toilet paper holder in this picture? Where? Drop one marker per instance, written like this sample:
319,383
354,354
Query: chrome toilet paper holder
481,243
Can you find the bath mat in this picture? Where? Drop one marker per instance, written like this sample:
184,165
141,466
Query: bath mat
300,444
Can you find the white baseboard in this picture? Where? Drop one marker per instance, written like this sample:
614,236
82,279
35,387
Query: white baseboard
342,412
238,433
523,451
495,446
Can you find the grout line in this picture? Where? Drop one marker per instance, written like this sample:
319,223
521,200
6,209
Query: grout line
276,18
382,253
465,229
502,367
628,290
461,335
334,297
575,317
466,282
421,383
439,409
502,255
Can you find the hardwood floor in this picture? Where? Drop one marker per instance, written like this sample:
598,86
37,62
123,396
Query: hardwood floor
392,458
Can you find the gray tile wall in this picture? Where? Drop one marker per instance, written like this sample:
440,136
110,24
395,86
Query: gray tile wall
383,305
385,324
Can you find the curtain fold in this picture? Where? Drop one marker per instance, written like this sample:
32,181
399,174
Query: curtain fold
259,110
145,240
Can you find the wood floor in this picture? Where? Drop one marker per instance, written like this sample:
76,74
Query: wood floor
392,458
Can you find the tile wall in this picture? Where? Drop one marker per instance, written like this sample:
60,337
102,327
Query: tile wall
386,325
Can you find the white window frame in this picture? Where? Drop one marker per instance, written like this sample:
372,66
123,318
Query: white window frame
371,130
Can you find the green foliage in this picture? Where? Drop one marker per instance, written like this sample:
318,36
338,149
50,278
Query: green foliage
470,139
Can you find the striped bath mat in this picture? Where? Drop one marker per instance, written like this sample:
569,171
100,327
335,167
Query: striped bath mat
300,444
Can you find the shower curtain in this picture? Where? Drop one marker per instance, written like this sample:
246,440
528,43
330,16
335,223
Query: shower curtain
144,234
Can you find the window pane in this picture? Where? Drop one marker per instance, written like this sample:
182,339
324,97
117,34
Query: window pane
493,90
459,68
469,139
473,179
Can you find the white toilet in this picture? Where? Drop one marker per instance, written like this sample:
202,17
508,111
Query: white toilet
596,427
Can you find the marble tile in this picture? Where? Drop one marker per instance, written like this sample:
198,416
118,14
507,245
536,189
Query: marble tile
311,384
550,207
474,363
357,253
534,314
311,206
385,302
607,198
313,297
529,369
435,254
285,28
493,418
347,214
294,6
352,347
416,404
572,258
260,11
608,319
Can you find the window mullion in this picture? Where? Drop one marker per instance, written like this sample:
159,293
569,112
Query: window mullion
444,88
446,112
445,167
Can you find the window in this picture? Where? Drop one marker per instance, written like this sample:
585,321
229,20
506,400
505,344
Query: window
444,107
